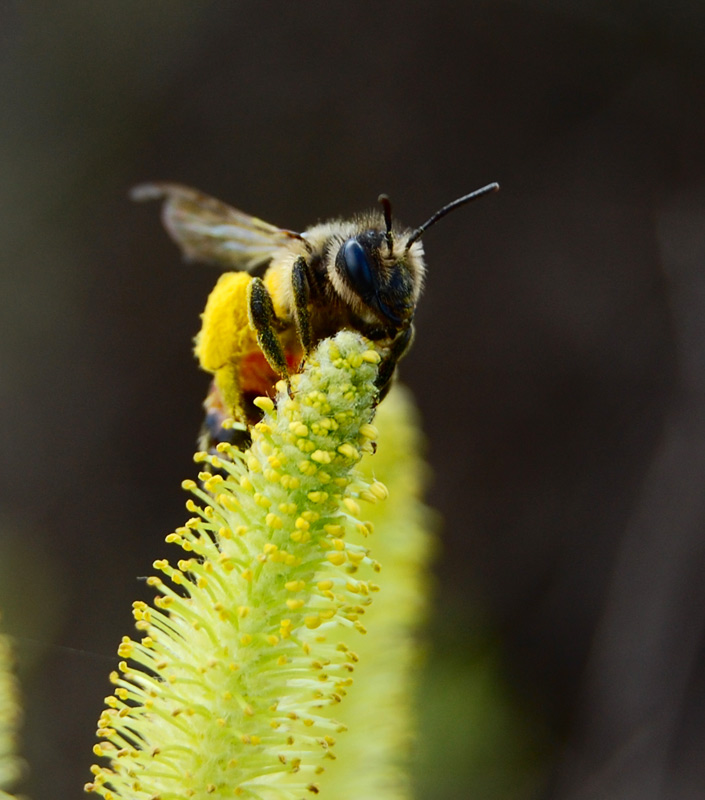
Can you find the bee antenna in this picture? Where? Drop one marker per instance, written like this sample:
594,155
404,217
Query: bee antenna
387,210
461,201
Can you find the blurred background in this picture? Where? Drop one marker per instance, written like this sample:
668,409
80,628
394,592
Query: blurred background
559,362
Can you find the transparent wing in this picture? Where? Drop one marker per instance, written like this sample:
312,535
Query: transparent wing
211,231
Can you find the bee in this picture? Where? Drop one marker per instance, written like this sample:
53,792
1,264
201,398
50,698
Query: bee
283,292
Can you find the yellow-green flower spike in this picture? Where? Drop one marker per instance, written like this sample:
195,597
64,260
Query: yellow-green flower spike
10,715
248,651
373,757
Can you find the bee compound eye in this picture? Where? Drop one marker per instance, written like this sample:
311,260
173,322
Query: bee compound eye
357,267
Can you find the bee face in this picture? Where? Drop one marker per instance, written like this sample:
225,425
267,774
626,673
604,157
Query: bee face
379,281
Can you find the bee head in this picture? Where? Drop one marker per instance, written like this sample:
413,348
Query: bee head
380,272
386,282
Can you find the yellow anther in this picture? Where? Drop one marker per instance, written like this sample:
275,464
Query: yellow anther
262,500
336,557
273,521
363,528
321,456
371,357
294,604
352,506
318,497
230,502
264,404
312,622
333,530
306,467
325,586
246,639
246,574
348,450
369,431
302,524
295,586
299,429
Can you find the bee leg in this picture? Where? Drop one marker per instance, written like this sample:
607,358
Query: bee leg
260,311
302,293
388,364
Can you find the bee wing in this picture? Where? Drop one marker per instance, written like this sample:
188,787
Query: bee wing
211,231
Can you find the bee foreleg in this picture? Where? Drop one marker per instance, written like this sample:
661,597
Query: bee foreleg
388,364
302,293
260,311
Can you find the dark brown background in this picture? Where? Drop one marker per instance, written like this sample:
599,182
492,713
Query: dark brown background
558,364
